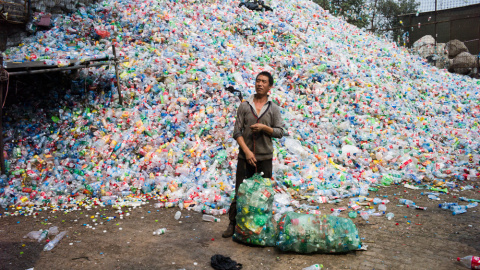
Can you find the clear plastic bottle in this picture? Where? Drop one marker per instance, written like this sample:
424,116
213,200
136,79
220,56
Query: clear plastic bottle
472,205
472,262
459,208
365,215
210,218
335,212
55,241
314,267
406,202
382,207
43,235
447,205
160,231
178,214
459,211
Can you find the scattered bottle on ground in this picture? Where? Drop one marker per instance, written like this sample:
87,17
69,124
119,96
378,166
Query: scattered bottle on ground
55,241
314,267
160,231
406,202
210,218
178,215
472,262
382,207
447,205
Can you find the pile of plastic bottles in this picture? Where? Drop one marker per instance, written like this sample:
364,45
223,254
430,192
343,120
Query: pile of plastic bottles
255,223
359,110
316,233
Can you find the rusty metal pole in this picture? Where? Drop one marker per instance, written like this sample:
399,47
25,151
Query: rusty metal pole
2,158
120,99
29,10
409,23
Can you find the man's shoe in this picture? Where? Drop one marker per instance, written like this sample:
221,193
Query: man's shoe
229,231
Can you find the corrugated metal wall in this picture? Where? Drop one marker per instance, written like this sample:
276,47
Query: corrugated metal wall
459,23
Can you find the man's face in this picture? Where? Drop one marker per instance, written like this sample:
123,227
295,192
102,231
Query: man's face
262,86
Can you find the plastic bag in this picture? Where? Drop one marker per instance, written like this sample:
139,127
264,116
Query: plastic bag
255,223
305,233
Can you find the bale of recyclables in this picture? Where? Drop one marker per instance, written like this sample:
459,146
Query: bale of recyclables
255,223
308,233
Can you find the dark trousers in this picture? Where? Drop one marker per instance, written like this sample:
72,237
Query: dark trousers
244,171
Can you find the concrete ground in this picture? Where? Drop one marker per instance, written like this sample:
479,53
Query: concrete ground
413,239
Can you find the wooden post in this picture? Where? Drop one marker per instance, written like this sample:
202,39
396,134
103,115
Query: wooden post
120,99
2,158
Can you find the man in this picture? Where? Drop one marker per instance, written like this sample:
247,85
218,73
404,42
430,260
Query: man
258,120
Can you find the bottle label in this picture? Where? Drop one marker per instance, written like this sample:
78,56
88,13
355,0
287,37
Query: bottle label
266,194
405,163
475,262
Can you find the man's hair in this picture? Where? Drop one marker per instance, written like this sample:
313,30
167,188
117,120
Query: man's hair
266,73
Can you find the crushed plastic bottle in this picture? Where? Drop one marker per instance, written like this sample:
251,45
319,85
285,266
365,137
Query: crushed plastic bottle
160,231
364,215
55,241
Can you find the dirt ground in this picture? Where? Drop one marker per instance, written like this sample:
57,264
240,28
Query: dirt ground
413,239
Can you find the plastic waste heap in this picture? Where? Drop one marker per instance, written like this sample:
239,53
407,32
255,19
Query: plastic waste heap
255,223
360,111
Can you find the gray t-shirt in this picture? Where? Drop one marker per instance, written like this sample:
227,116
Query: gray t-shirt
260,143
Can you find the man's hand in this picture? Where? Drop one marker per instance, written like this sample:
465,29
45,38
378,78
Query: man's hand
257,127
250,156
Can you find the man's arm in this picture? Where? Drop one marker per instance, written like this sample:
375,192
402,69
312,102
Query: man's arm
249,155
277,126
237,135
238,127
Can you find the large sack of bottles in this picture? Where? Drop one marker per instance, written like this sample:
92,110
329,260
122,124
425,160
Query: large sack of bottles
307,233
255,223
